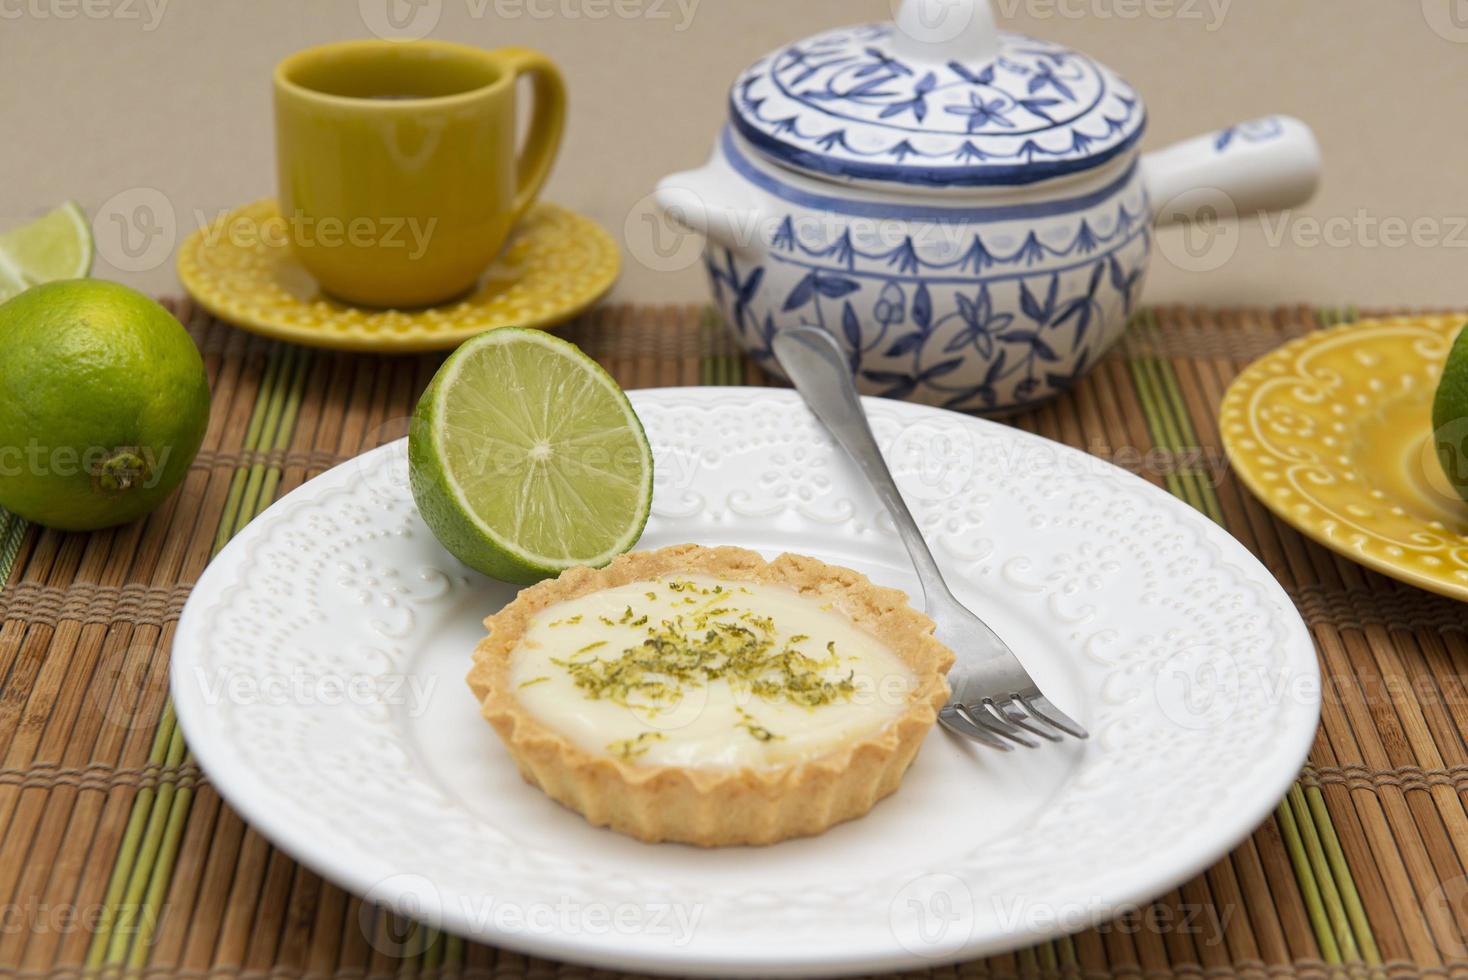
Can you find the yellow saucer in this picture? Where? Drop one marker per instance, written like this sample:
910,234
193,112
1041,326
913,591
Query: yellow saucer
1333,432
556,264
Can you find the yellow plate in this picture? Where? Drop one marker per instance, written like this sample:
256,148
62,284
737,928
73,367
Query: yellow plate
1333,432
556,264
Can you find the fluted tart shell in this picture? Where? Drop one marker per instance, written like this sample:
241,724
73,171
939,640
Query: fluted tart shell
717,807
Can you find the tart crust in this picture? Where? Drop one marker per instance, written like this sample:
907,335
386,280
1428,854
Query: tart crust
718,807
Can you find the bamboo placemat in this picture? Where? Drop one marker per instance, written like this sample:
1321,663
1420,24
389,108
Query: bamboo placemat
118,857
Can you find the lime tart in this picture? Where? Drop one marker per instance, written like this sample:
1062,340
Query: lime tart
708,696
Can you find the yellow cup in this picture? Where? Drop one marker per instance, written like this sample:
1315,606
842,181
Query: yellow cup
398,174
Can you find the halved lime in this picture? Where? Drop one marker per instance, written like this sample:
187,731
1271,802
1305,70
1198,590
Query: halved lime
57,245
526,459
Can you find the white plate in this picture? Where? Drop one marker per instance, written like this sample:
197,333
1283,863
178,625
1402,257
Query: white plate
318,674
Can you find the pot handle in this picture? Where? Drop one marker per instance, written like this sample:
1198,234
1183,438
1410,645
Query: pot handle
713,202
1262,165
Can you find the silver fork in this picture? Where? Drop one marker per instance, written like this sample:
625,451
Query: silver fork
994,700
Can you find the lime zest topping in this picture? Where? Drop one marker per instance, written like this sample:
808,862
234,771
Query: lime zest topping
631,748
757,731
693,648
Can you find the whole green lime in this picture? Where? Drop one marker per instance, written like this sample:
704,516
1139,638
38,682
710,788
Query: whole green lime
1450,415
103,404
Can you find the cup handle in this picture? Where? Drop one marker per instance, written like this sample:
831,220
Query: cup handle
547,122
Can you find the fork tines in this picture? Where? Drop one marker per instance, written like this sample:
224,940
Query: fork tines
999,723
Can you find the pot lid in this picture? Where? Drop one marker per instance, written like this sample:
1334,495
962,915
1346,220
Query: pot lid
938,98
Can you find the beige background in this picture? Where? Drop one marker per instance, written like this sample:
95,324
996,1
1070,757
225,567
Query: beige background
157,113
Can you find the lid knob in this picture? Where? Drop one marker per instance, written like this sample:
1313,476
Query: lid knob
946,30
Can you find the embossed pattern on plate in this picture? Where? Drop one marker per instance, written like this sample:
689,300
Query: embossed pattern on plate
1333,432
240,268
318,675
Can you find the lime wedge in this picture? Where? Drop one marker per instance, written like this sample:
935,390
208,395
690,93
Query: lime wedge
10,284
57,245
526,459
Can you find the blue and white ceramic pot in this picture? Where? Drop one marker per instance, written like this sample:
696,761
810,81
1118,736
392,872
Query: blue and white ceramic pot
965,209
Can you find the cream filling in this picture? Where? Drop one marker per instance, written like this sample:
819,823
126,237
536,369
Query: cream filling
696,672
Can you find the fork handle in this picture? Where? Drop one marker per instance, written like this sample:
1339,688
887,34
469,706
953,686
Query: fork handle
816,365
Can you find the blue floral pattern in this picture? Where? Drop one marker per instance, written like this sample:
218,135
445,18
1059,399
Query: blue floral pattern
842,103
1261,130
984,329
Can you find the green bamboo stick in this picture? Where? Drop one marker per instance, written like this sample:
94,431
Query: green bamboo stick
127,851
265,439
432,958
1320,868
1309,887
709,368
1164,434
291,408
231,508
1176,434
453,954
1172,393
120,940
1330,843
1048,960
12,533
1066,949
717,369
252,442
7,521
412,940
1167,420
1029,965
284,429
415,947
158,882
